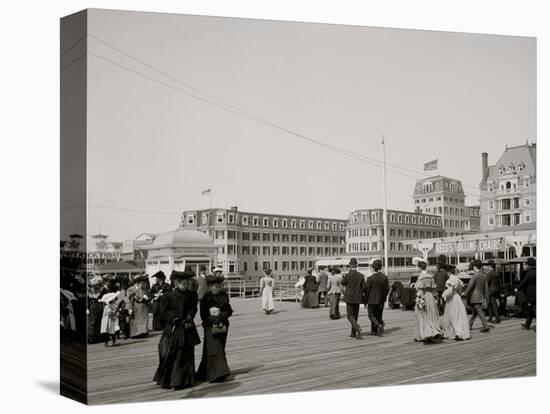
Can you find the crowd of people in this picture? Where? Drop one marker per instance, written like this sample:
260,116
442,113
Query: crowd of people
119,307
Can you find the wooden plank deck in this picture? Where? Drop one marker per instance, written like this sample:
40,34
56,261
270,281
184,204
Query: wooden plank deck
298,349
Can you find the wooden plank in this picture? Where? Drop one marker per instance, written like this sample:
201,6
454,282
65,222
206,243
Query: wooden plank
297,349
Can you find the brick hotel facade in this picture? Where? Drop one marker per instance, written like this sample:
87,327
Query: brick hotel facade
250,242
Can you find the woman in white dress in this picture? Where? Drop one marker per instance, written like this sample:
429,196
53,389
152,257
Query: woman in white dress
428,326
266,291
455,319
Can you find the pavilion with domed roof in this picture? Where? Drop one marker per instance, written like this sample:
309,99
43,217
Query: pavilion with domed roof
180,249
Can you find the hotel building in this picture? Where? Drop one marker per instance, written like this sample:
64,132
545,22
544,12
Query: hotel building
249,242
365,234
445,197
508,190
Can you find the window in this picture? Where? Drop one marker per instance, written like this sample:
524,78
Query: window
276,237
265,222
491,220
205,218
244,220
293,223
527,182
191,219
327,225
302,224
219,217
319,225
255,221
275,222
245,266
266,237
276,250
491,205
285,223
255,266
310,224
334,226
230,218
265,250
341,226
256,236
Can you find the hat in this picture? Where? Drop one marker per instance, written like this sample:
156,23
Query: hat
211,279
353,261
68,294
477,263
377,264
159,275
267,271
141,278
417,260
441,259
176,275
491,263
310,270
531,261
217,269
96,280
108,276
109,297
373,259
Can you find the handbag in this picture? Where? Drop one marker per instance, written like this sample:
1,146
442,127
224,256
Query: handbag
218,329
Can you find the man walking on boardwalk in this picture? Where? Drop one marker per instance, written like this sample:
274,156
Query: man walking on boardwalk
377,289
322,280
476,292
528,286
440,279
354,283
494,287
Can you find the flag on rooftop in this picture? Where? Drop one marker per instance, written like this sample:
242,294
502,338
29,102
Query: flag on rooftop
432,165
206,192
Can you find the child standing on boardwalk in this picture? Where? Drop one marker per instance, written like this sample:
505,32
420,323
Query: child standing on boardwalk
109,320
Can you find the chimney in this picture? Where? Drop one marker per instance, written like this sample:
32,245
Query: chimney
484,167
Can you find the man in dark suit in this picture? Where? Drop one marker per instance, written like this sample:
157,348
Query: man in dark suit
528,286
377,289
494,288
440,279
354,283
476,292
322,281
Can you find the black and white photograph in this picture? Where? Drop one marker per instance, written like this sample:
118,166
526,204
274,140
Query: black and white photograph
292,206
275,206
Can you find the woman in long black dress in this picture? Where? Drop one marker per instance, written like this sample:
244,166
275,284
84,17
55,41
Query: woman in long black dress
157,290
215,311
179,337
95,309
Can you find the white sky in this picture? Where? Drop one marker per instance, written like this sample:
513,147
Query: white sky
432,94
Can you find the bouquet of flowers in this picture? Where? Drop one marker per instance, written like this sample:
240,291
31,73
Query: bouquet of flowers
419,301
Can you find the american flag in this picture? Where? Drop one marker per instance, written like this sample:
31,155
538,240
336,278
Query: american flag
430,166
206,192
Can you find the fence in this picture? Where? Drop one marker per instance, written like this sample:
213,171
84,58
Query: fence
283,289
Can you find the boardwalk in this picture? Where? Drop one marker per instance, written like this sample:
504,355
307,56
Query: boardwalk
301,349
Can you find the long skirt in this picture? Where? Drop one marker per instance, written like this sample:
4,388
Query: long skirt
140,320
94,322
310,300
334,301
177,368
455,319
428,325
213,366
157,325
267,299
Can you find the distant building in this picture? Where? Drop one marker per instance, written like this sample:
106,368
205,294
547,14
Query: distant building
444,196
365,234
133,249
508,189
472,222
249,242
102,251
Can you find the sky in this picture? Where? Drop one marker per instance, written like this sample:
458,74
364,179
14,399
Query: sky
152,148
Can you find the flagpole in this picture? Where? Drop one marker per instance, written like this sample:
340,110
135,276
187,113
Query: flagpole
385,217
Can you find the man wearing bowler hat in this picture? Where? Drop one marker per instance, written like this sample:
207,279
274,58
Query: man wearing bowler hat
354,283
494,287
476,292
529,288
377,289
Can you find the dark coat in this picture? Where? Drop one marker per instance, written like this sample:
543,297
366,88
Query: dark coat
354,283
494,283
323,280
529,286
310,284
221,301
477,288
176,309
377,289
440,278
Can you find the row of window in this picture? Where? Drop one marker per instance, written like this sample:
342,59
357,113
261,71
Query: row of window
375,246
507,203
505,220
407,234
255,221
396,218
282,250
510,185
445,198
285,266
276,237
430,187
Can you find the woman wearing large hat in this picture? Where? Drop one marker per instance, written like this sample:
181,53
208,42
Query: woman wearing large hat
179,337
310,299
428,326
139,299
215,311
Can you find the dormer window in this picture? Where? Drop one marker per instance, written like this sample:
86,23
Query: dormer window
521,166
501,170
